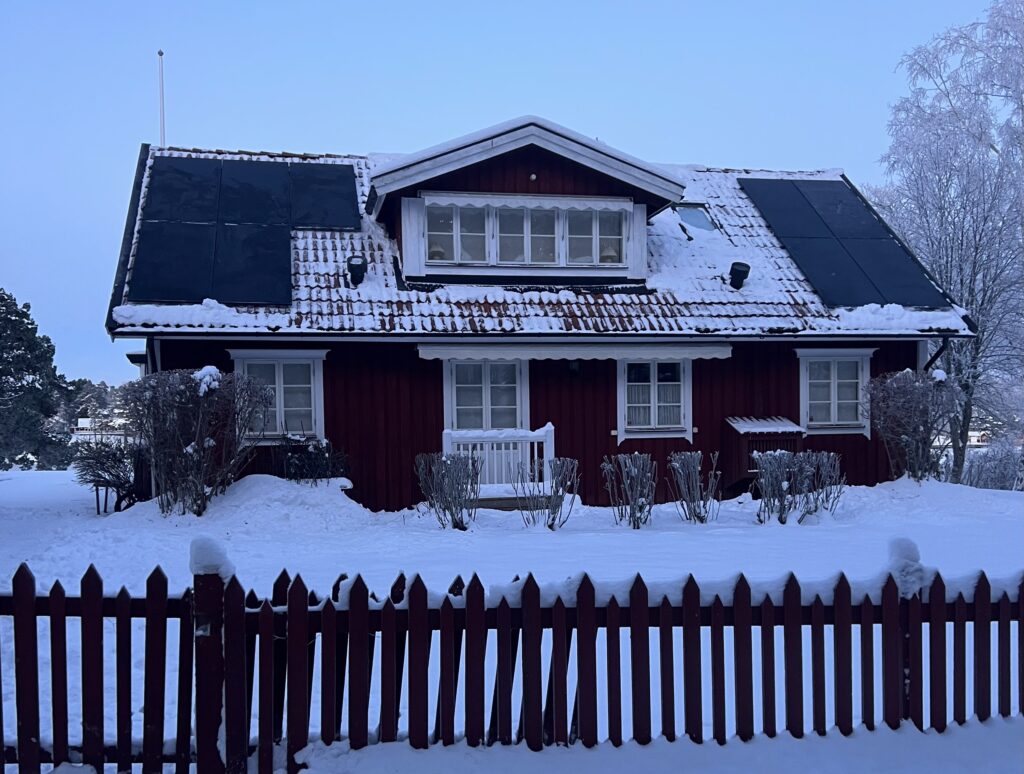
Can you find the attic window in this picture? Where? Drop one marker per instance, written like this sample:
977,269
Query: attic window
693,217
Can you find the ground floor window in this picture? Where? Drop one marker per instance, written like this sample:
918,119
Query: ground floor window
832,390
295,380
486,394
654,398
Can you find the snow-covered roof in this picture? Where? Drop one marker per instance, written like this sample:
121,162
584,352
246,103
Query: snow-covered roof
764,425
686,294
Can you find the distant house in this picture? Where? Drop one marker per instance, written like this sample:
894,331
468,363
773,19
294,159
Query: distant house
101,430
527,291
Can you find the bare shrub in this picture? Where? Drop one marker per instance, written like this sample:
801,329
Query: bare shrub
820,481
999,466
805,482
776,482
696,496
451,485
911,411
198,428
312,460
630,480
111,466
543,502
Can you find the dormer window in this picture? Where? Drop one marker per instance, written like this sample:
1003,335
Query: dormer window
452,234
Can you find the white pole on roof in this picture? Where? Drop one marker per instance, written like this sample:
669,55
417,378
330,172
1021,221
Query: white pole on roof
160,61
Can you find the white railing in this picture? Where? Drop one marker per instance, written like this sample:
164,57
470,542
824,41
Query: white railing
501,452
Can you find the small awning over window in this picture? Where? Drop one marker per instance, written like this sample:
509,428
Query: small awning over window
565,351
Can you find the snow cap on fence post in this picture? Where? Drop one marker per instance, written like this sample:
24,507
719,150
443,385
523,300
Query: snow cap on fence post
208,557
905,566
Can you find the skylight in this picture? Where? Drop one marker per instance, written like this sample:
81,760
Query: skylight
693,216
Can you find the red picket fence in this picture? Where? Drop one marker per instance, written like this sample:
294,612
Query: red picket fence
297,668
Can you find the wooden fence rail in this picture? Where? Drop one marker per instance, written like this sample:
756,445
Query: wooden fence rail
528,666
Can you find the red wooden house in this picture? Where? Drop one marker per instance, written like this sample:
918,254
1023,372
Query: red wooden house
526,290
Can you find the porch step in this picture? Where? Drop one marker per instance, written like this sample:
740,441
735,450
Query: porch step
498,503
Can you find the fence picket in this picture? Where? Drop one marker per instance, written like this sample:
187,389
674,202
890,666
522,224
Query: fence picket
892,655
448,683
983,649
388,676
586,663
960,660
793,657
559,667
743,679
768,722
58,674
867,663
1004,655
155,672
298,668
252,603
937,654
640,661
613,666
186,652
340,657
476,645
501,705
265,742
92,668
236,702
818,666
718,670
279,598
358,674
842,656
692,706
26,669
666,647
915,676
123,672
328,671
455,648
532,674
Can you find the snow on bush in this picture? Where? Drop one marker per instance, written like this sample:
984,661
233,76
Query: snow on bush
630,480
197,440
111,465
806,482
451,485
696,496
544,502
999,466
311,460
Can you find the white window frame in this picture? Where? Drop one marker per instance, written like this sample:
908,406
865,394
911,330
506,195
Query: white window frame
634,236
863,359
625,433
278,357
522,390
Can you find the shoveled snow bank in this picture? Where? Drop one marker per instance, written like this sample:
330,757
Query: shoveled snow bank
994,747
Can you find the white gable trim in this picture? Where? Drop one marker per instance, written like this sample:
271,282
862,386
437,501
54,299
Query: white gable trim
595,156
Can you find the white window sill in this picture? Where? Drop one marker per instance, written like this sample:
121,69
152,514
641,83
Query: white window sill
277,439
641,433
838,430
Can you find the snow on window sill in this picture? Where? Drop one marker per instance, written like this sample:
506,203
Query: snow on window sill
640,433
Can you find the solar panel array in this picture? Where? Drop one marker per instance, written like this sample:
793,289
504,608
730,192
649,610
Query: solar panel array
848,254
221,229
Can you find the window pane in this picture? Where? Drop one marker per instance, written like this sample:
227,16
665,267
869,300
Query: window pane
469,373
469,418
638,416
440,247
510,221
638,394
848,369
297,373
819,391
542,222
503,373
581,250
638,372
503,417
298,421
542,249
819,370
473,249
469,396
511,249
265,421
440,220
819,412
610,224
503,396
848,390
581,223
670,394
668,372
848,412
670,416
610,249
263,372
298,397
471,220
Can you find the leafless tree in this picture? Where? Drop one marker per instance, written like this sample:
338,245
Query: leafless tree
630,480
451,485
696,494
544,501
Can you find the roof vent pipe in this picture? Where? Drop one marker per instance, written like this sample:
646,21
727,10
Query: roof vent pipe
738,274
356,269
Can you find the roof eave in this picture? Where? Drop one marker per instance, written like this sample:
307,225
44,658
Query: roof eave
121,273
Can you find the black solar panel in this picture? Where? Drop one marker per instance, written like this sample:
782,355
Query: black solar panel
184,190
173,262
847,253
255,192
253,265
324,196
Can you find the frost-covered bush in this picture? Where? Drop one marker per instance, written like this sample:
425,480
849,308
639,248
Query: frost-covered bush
544,502
630,480
696,495
451,485
25,461
109,465
311,460
198,429
998,466
805,482
911,410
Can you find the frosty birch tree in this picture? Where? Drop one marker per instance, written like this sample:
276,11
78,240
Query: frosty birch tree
955,192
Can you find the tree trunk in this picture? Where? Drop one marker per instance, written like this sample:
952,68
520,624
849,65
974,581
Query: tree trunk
960,427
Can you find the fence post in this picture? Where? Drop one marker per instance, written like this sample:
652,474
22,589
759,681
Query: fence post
209,665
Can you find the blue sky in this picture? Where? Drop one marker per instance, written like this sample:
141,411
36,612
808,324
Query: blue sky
779,85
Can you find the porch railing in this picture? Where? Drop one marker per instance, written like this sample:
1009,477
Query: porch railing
501,452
